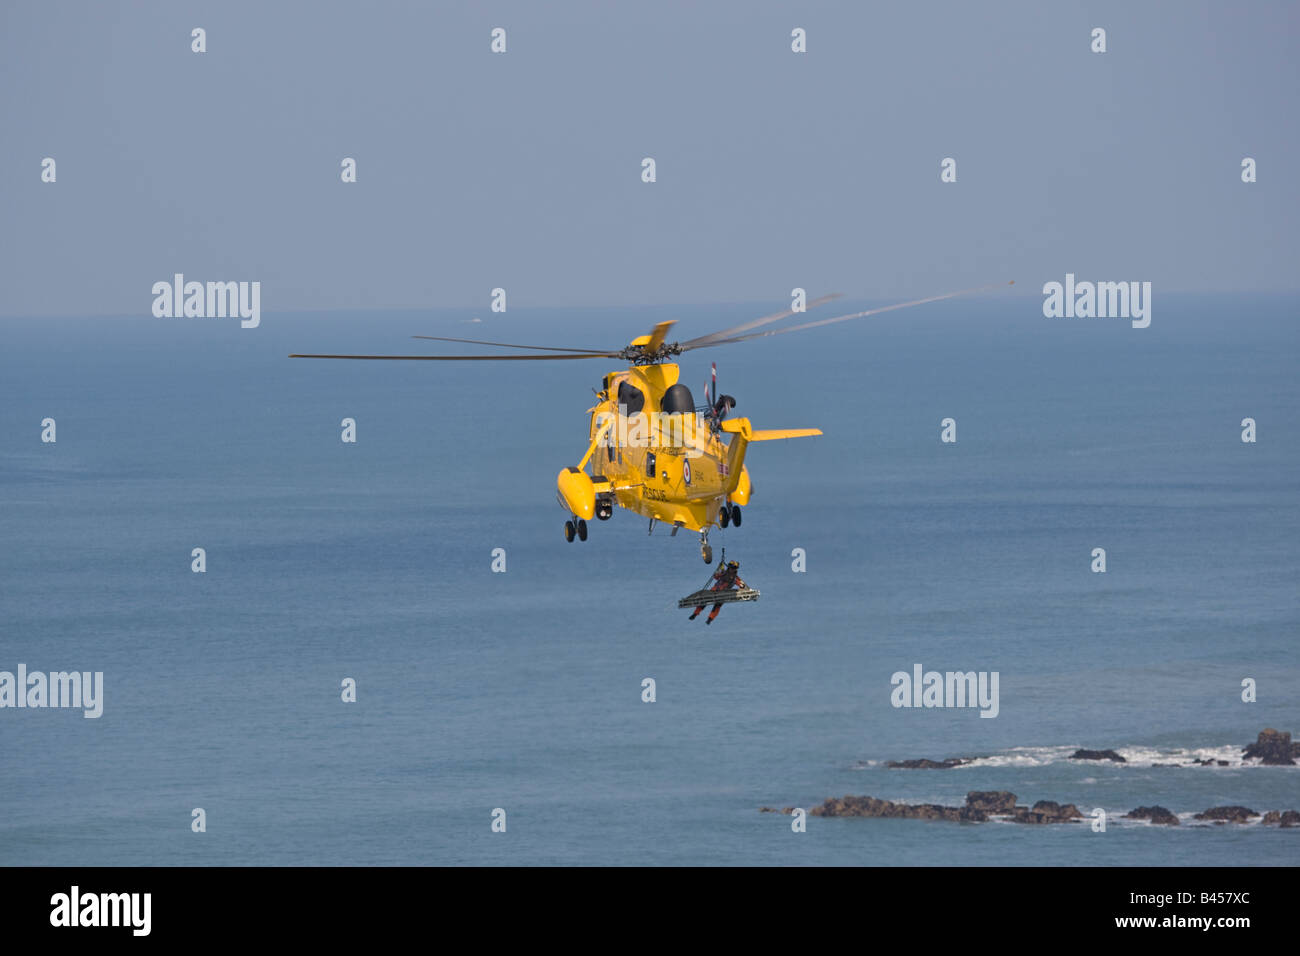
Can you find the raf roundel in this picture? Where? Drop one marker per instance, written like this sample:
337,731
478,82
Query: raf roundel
686,470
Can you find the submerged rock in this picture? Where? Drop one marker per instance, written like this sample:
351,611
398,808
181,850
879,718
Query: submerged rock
1231,814
926,764
1097,755
1156,814
1272,748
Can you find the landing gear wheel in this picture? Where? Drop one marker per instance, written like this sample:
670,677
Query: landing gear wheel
706,552
569,531
735,515
582,530
724,516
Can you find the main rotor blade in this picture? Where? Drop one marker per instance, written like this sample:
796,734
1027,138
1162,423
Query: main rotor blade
712,337
658,334
464,358
507,345
856,315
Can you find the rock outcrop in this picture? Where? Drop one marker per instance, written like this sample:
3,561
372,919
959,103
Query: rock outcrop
1047,811
1156,814
983,805
1282,818
1232,814
871,807
980,805
1273,748
1097,755
992,801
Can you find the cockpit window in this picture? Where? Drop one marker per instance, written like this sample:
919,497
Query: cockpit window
630,398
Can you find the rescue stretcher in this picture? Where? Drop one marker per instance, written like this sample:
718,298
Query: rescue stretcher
729,596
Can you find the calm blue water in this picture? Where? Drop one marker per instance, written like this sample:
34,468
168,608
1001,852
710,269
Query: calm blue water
522,690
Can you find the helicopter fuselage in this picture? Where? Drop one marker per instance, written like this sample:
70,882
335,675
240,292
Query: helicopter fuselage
652,451
665,461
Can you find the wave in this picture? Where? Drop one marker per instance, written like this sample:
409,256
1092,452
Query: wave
1136,756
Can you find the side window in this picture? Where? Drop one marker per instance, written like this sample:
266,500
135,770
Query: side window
611,445
650,464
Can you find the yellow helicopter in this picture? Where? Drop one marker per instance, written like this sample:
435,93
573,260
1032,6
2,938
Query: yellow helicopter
650,448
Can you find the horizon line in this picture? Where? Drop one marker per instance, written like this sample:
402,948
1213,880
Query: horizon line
1023,291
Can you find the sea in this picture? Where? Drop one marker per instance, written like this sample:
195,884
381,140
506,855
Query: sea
518,697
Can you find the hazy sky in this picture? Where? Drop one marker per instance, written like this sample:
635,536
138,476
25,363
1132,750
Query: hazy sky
523,170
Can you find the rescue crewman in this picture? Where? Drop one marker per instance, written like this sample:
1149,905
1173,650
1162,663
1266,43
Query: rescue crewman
726,578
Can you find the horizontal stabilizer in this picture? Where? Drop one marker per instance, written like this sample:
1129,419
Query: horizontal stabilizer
771,434
741,427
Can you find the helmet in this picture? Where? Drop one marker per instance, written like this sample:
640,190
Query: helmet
733,564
